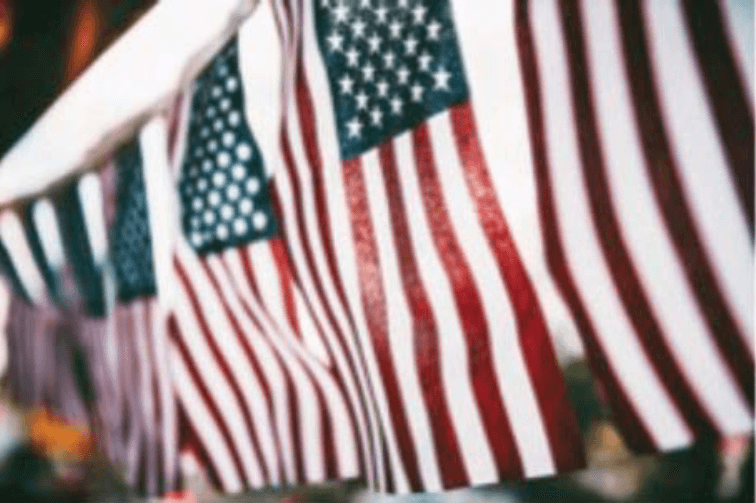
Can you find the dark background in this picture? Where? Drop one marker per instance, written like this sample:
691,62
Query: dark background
45,45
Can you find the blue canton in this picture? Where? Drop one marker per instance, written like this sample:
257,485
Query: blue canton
391,65
223,186
130,237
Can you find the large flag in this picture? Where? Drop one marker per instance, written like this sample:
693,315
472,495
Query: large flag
457,179
86,333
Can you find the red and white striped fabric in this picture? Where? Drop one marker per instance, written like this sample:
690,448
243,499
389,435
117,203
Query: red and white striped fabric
406,253
86,333
260,400
597,155
641,128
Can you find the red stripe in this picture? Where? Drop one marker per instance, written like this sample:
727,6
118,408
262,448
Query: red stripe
287,285
218,356
626,416
727,96
207,398
190,441
548,381
374,304
329,445
470,309
249,273
662,168
612,242
424,330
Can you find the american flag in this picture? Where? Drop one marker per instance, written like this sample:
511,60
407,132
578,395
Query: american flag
260,399
641,129
86,333
402,245
456,180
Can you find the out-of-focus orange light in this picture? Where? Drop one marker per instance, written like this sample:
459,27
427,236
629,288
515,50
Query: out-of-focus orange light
6,24
84,40
58,439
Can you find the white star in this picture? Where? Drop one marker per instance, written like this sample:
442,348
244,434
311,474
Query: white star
388,60
424,61
352,56
376,117
374,43
354,128
417,92
346,84
325,3
358,28
418,13
340,13
362,100
410,45
381,13
382,86
433,29
335,41
402,74
368,72
441,78
396,105
365,4
402,4
396,28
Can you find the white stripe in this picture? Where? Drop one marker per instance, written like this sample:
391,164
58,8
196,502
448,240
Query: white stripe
399,325
703,167
345,255
512,374
146,391
134,442
309,416
738,20
454,364
12,235
168,431
488,42
90,198
204,424
344,435
583,254
644,230
262,50
272,370
162,204
212,376
46,224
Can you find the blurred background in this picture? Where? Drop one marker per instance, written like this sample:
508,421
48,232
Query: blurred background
44,46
